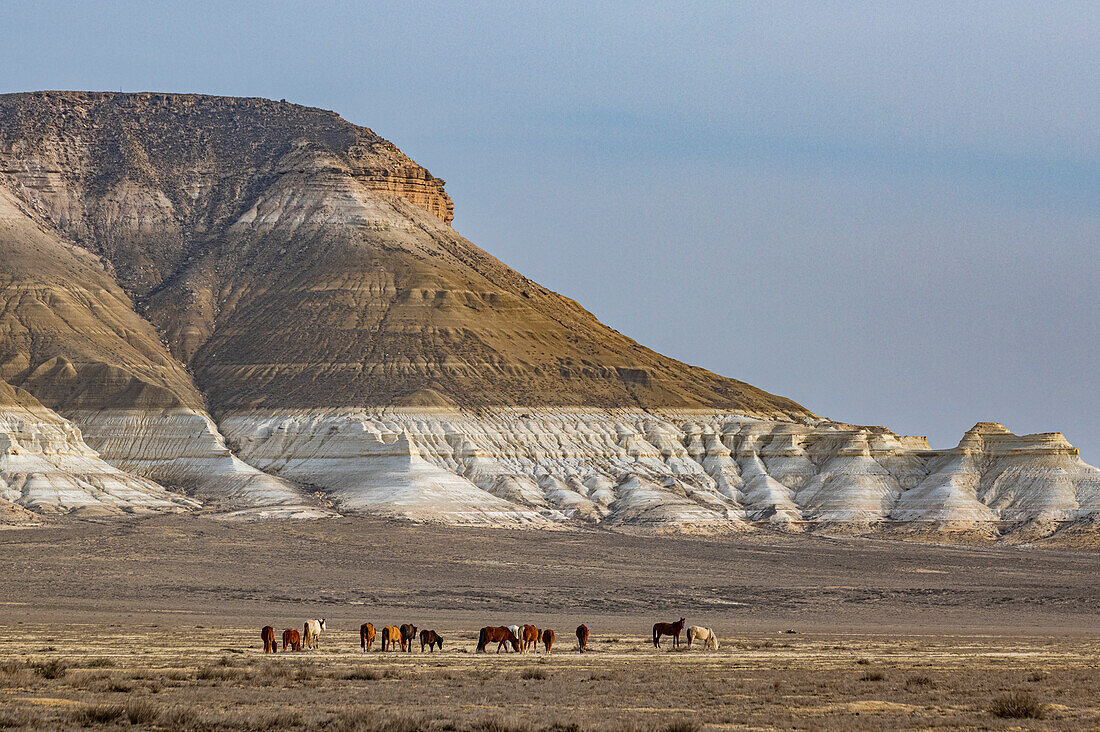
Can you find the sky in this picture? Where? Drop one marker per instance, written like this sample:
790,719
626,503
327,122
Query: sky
889,212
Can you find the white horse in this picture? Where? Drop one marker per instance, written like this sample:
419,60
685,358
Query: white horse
515,632
698,632
312,633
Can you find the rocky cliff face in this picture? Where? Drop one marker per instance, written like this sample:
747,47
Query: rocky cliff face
183,274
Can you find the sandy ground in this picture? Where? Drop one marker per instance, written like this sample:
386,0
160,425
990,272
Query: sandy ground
157,622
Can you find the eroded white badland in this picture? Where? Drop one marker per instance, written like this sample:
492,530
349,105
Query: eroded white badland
691,471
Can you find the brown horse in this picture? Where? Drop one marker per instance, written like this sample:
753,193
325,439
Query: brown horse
268,635
496,634
292,640
582,637
408,635
529,638
366,636
431,639
548,640
673,629
391,637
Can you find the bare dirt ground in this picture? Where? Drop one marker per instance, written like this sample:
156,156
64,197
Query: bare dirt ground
155,624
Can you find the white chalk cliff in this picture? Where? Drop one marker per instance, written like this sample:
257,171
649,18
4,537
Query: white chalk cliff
280,322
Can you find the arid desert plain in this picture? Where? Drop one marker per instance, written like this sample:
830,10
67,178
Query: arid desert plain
156,623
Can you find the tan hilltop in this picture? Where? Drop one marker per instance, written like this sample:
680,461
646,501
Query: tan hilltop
237,298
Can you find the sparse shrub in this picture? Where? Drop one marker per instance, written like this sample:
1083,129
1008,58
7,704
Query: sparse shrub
99,663
1036,677
1017,705
120,686
777,685
494,725
920,681
178,718
54,669
360,674
142,712
17,718
99,714
872,676
683,725
534,673
863,662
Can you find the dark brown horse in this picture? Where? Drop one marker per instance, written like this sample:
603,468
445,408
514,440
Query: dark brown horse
431,639
496,634
673,629
292,640
366,636
268,636
408,635
582,637
548,640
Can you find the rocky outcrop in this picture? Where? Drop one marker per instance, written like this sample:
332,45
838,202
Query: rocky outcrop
45,466
664,471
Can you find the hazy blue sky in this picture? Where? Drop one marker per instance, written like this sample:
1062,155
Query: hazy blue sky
889,212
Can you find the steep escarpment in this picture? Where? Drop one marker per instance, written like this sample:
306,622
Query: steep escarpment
292,259
265,307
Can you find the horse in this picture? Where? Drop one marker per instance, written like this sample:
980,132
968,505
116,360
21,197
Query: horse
312,634
268,636
366,636
548,639
673,629
529,637
698,632
292,640
408,635
517,631
391,637
431,639
498,634
582,637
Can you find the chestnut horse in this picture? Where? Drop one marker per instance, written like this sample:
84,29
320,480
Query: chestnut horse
673,629
408,635
548,639
391,638
292,640
582,637
431,639
268,636
529,638
496,634
366,636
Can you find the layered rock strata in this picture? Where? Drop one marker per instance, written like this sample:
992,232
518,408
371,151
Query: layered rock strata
664,471
175,268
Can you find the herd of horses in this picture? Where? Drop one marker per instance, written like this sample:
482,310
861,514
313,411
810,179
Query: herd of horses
518,638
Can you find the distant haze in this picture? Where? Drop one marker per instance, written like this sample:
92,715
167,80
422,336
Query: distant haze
888,212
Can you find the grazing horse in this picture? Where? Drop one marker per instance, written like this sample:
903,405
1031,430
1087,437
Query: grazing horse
548,639
268,636
582,637
517,631
698,632
496,634
408,635
431,639
391,637
529,638
366,636
312,634
673,629
292,640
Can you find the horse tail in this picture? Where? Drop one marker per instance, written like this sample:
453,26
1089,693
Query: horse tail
363,637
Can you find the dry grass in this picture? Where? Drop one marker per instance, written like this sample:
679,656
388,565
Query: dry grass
168,680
